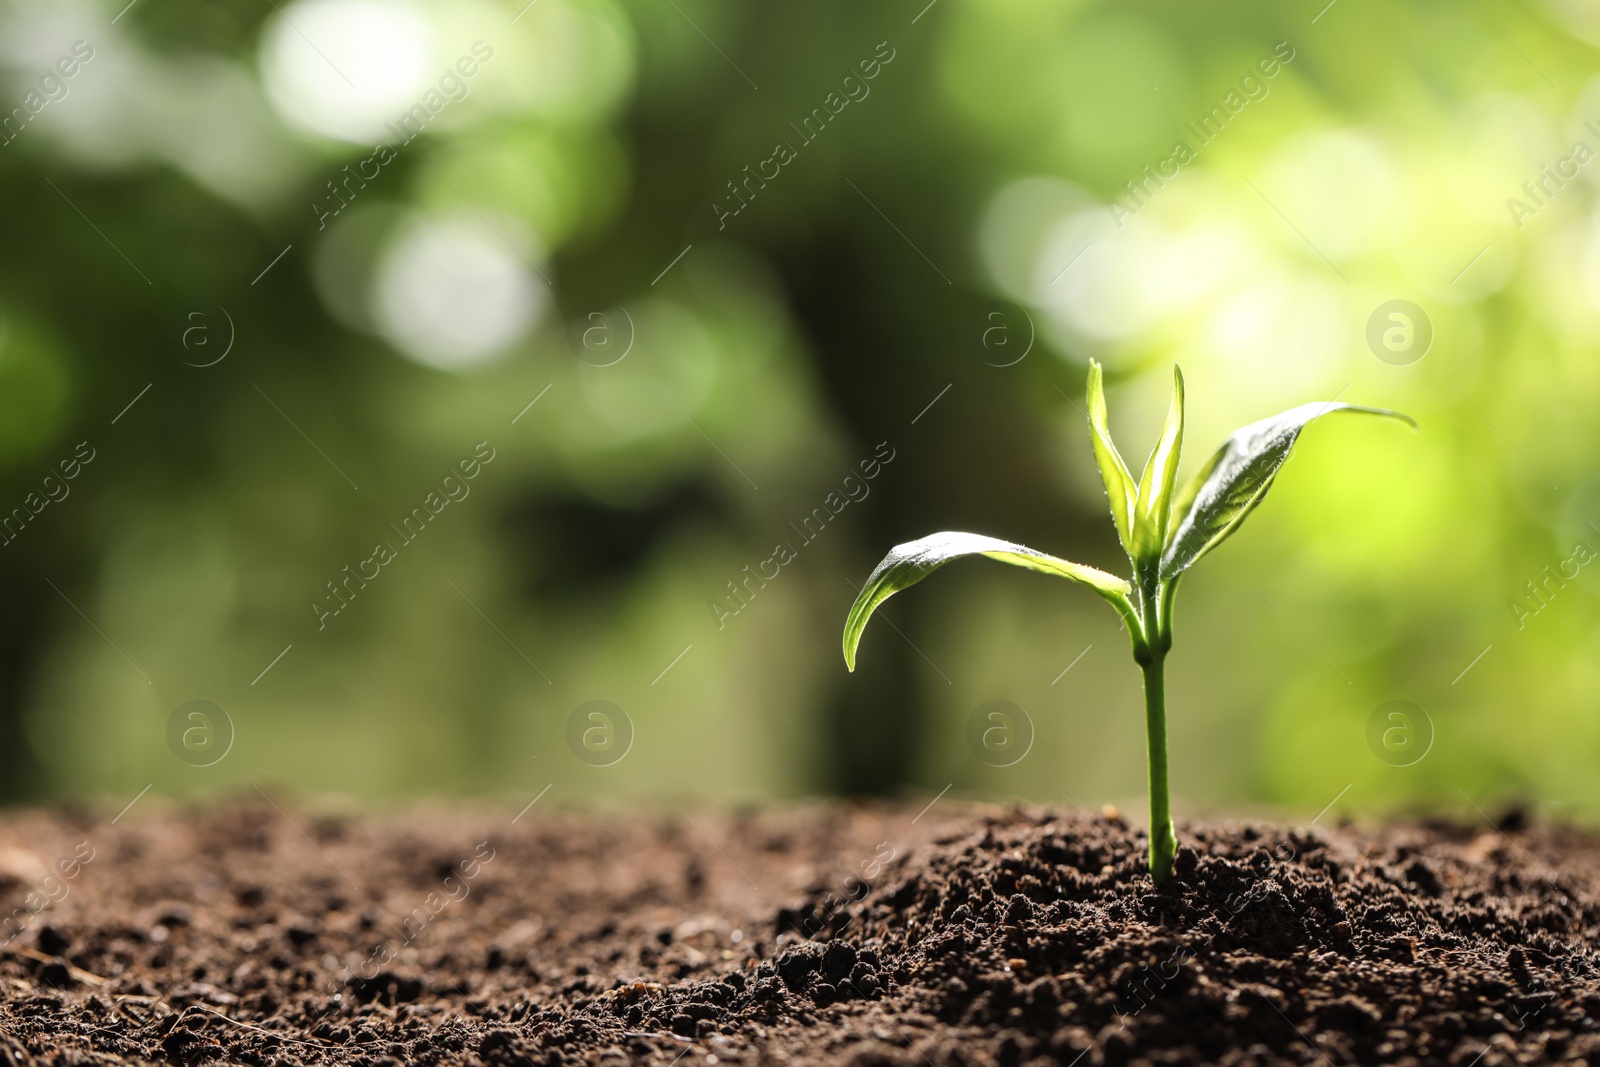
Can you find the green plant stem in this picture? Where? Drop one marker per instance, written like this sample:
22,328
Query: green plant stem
1163,841
1156,613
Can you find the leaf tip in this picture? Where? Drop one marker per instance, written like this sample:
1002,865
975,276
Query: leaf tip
1097,376
1391,413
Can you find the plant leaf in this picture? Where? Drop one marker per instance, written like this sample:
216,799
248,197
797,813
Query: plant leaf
908,564
1153,505
1113,471
1236,478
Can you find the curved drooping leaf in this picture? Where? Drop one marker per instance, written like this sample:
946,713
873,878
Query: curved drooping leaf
908,564
1153,504
1236,478
1113,471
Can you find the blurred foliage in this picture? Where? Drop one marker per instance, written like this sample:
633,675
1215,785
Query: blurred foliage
668,391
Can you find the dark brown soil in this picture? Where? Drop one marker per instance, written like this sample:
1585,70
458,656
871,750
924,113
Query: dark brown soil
817,935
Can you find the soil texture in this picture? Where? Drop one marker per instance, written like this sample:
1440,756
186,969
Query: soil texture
861,935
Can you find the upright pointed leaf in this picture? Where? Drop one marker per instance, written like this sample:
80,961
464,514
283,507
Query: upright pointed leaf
908,564
1153,505
1234,480
1113,471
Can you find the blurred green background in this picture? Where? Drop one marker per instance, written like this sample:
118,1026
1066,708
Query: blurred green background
318,313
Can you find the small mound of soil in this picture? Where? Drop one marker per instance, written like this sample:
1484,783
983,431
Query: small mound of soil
1431,947
826,934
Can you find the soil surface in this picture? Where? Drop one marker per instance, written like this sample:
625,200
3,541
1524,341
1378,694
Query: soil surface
824,934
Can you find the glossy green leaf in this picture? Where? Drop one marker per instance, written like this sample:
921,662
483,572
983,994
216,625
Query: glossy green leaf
1236,478
1113,471
1153,504
908,564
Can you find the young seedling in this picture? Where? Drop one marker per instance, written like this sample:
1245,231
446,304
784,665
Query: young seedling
1163,534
